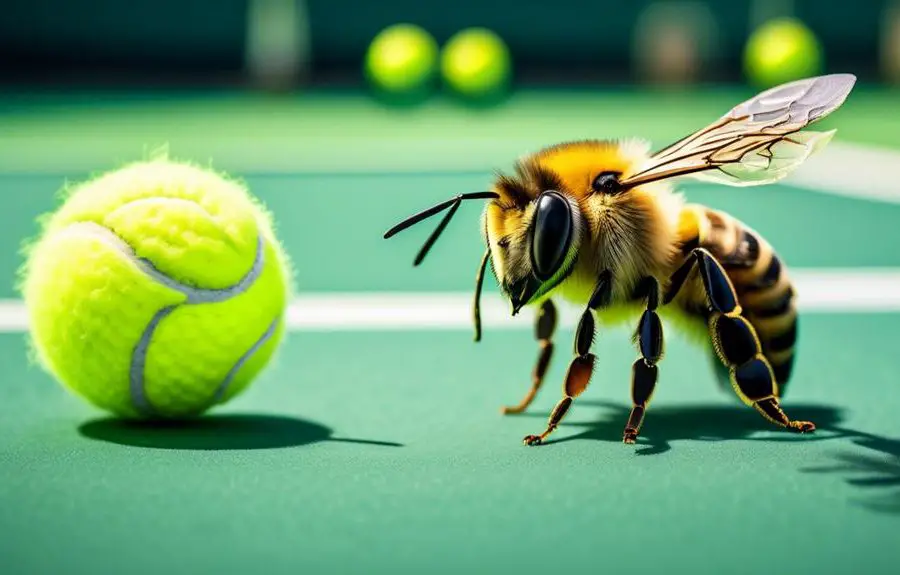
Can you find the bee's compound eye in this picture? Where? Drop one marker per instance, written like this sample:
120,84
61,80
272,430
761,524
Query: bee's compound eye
551,234
606,183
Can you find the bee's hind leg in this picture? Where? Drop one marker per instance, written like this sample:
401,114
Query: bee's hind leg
737,344
582,366
544,328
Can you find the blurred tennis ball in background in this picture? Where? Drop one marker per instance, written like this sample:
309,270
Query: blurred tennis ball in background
476,63
156,290
782,50
402,60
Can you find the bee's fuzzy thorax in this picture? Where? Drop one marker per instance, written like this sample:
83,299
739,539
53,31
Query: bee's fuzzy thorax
633,233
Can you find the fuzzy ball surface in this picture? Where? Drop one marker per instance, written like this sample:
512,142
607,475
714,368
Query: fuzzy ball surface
156,290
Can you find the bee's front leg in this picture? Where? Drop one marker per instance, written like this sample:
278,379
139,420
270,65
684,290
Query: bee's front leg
644,371
544,327
582,367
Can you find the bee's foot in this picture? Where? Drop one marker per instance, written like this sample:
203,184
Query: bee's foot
802,426
512,410
532,440
630,436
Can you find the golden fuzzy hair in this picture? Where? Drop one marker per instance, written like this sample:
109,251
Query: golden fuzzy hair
634,233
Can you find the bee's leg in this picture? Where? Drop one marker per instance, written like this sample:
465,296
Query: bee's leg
580,370
737,346
577,378
544,328
644,371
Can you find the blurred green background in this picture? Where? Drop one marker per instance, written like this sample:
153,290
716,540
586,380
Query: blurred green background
87,85
581,41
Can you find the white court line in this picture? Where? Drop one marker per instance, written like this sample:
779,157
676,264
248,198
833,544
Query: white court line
819,291
851,170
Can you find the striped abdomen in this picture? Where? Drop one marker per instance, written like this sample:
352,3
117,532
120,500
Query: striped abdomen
764,289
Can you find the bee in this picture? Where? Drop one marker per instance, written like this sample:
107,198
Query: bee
597,223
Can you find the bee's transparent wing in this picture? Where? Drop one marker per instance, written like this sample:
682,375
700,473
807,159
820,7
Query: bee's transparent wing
759,141
769,163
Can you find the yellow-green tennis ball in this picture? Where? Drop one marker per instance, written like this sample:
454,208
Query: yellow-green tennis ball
476,62
782,50
402,58
157,290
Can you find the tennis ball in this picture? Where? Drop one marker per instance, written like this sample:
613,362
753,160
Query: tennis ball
475,62
782,50
402,59
156,290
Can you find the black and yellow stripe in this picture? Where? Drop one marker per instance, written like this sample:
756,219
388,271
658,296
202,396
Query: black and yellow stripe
760,279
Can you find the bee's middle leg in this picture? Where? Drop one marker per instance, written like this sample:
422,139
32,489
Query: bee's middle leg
644,371
544,327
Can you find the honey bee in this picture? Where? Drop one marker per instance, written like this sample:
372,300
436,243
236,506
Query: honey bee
597,223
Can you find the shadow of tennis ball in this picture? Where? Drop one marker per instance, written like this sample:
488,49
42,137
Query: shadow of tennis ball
216,432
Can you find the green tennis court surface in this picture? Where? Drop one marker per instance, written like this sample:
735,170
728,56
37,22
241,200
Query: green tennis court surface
383,450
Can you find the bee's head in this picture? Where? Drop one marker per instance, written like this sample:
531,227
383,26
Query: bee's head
533,240
534,228
534,225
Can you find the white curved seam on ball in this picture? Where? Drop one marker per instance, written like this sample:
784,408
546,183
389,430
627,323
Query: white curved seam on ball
226,383
139,361
194,296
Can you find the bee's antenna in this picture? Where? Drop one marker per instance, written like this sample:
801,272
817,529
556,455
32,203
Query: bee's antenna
476,305
436,233
453,204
